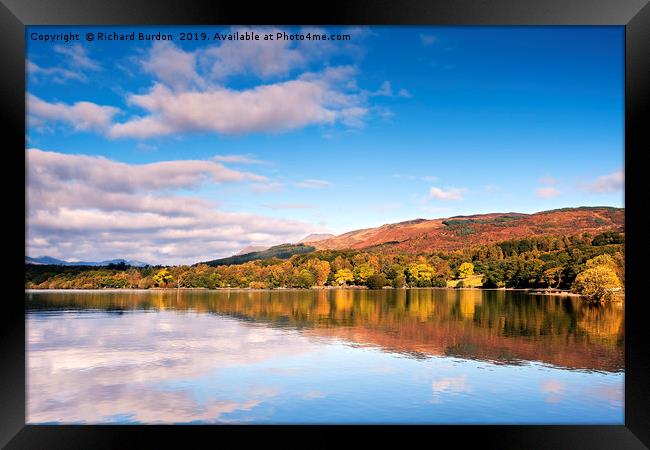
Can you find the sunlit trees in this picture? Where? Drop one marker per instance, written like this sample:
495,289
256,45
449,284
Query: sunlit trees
305,279
319,269
162,278
553,262
597,283
599,280
465,270
362,272
420,274
344,276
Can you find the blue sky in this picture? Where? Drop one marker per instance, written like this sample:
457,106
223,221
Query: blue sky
178,151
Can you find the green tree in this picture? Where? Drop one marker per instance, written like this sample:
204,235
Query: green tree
399,281
305,279
552,277
377,281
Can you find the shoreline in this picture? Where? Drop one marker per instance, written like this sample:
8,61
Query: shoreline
321,288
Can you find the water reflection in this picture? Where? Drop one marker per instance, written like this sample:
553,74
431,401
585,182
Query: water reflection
507,327
340,356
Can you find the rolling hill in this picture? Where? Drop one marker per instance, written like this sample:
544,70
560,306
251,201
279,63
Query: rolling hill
282,251
422,235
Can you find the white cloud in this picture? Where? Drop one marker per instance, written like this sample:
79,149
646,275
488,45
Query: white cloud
449,194
79,375
82,116
92,208
547,192
172,66
116,176
261,58
613,182
266,108
189,95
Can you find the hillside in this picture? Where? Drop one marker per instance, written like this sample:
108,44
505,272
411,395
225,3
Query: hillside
315,237
250,249
422,235
283,251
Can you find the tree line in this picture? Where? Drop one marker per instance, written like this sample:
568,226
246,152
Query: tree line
592,266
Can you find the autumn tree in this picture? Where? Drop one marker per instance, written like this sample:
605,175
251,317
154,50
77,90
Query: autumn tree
420,274
597,283
552,277
305,279
344,276
162,278
320,270
362,272
377,281
466,269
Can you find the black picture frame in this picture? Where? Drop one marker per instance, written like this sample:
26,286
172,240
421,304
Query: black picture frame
633,14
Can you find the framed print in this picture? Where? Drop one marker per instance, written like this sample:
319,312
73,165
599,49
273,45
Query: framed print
414,219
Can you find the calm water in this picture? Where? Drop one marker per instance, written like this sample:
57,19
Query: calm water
338,356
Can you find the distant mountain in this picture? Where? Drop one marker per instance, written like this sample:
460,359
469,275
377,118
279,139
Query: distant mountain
59,262
453,233
315,237
45,260
283,251
251,249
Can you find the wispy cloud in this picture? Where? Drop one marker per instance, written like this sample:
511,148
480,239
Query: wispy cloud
54,74
449,194
77,56
428,178
271,186
239,159
75,63
313,184
612,182
81,116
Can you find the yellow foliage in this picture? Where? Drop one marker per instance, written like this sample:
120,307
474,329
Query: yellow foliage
597,283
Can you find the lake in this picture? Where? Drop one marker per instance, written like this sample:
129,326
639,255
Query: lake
403,356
